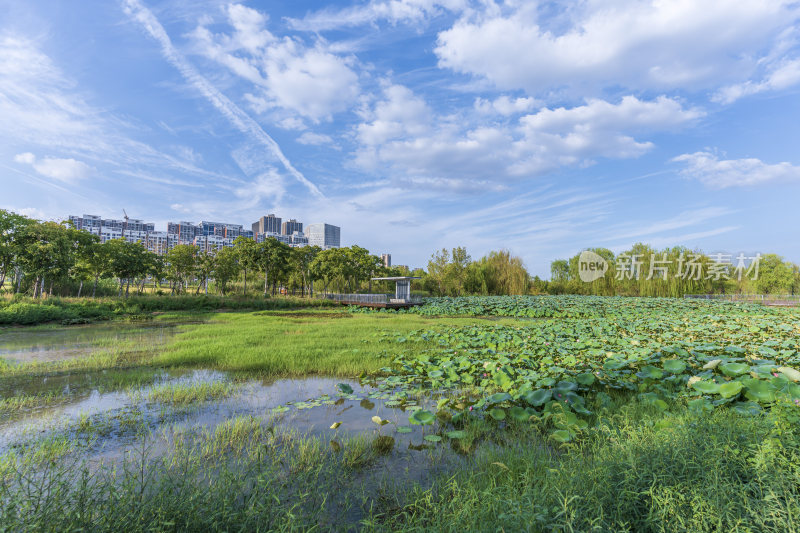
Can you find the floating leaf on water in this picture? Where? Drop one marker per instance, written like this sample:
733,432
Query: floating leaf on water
759,391
614,364
674,366
499,397
345,388
421,417
280,409
404,429
650,372
336,425
456,434
705,387
539,397
730,389
497,413
734,369
519,414
566,386
433,438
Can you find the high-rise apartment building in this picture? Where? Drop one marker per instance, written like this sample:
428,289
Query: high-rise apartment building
207,236
185,232
323,235
220,229
267,224
290,226
386,259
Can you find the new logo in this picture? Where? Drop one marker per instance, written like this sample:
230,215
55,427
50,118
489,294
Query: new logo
591,266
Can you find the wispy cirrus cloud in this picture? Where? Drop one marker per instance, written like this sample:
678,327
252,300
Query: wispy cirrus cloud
238,118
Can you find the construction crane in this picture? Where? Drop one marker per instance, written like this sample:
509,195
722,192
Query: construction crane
125,225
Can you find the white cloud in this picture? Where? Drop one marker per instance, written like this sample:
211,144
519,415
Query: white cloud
562,136
314,139
27,158
632,44
506,106
402,136
392,11
714,172
309,81
67,170
292,123
782,76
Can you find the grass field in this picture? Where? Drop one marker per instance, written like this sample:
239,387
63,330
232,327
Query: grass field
533,414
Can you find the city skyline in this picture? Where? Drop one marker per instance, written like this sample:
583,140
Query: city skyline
415,124
207,235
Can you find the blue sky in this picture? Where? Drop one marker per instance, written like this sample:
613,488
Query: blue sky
540,127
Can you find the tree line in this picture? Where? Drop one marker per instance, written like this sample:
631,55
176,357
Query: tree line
49,258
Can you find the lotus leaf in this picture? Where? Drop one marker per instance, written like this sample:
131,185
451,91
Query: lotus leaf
730,389
674,366
734,369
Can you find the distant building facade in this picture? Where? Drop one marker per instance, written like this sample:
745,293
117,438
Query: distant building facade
324,235
207,236
267,224
290,226
386,259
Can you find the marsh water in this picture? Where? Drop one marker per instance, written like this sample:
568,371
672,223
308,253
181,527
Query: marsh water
48,344
116,405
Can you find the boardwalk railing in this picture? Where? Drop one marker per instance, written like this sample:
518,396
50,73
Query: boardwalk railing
767,299
365,298
360,298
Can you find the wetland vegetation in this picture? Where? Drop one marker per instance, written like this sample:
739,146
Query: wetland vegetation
533,413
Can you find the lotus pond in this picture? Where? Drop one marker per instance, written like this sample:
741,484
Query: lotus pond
478,413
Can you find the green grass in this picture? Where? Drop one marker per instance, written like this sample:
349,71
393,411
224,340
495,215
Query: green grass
192,393
279,344
638,473
19,310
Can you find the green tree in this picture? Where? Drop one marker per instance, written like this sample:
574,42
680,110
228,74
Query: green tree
774,275
205,268
11,227
181,266
302,259
226,268
246,255
271,256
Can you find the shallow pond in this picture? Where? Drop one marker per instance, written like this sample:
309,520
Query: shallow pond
46,344
113,416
